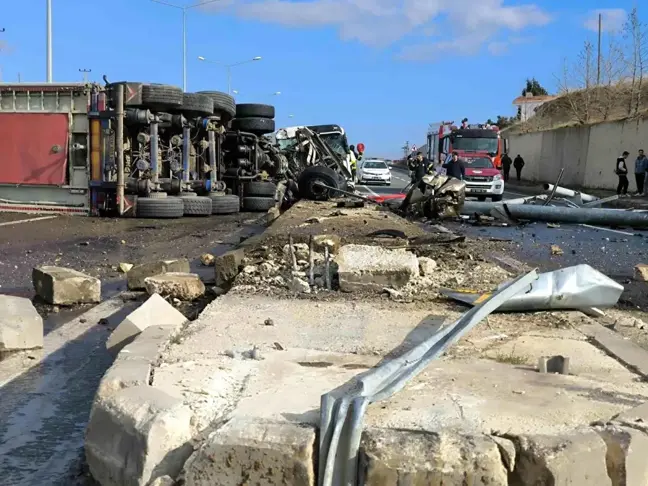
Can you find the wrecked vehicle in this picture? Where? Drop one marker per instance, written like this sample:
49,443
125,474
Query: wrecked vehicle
317,160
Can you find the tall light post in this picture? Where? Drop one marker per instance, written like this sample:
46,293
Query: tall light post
2,29
48,43
85,74
184,9
229,67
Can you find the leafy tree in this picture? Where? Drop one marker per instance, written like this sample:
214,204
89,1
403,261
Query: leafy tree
534,87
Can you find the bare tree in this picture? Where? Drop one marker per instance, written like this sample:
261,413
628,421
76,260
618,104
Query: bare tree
612,73
577,84
636,36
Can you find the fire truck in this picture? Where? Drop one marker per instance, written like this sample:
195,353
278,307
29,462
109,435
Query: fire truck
480,147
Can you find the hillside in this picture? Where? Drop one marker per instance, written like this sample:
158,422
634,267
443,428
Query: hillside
587,107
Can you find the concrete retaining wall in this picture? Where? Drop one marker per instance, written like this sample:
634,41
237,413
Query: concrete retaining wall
587,153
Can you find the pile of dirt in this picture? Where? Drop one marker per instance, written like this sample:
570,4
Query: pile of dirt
587,107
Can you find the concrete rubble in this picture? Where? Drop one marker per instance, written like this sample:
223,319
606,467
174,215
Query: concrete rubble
137,275
234,398
21,327
155,311
176,285
65,286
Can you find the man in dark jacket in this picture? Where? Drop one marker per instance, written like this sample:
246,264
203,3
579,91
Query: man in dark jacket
518,163
506,166
417,167
455,167
641,167
621,171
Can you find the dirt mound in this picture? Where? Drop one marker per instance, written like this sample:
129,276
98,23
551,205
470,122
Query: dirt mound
587,107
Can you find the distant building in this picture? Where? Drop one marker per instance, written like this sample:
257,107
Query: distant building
529,104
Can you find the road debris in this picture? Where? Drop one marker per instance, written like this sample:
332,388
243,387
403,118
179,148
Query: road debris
641,272
176,285
21,327
556,250
207,259
65,286
572,288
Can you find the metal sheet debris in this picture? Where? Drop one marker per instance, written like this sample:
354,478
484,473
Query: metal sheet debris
580,287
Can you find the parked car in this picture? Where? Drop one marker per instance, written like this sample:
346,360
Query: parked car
483,180
374,171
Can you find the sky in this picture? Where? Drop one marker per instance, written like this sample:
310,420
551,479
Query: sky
382,69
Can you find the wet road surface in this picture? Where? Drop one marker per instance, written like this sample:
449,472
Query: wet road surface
46,395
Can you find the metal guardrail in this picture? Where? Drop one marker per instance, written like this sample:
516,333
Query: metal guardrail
342,410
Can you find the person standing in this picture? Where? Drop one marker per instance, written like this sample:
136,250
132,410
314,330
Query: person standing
641,167
506,166
455,167
417,168
518,163
353,163
621,171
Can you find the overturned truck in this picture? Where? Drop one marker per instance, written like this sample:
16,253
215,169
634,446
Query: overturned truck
150,150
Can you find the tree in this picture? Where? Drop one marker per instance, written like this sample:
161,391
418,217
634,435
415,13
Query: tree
534,87
505,121
636,36
577,82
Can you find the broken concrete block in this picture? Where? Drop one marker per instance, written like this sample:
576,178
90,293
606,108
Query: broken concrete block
207,259
577,458
427,266
641,272
415,457
21,327
626,454
301,252
155,311
507,450
125,373
139,273
299,285
262,453
137,435
64,286
125,267
226,266
183,286
333,242
163,481
373,268
272,215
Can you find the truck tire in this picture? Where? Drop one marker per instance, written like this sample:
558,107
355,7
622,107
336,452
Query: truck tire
225,204
198,104
197,206
167,208
224,104
157,195
188,194
254,110
258,126
309,178
162,96
257,204
261,188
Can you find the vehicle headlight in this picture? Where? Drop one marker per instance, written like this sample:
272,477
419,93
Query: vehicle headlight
497,177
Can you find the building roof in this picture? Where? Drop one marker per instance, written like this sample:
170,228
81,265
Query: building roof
521,100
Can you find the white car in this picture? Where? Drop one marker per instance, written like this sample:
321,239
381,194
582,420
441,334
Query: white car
374,171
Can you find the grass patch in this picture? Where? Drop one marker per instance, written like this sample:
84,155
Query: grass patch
511,358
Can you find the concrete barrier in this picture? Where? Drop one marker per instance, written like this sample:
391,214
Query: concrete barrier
220,415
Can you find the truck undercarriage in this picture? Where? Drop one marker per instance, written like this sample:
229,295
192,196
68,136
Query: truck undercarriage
150,150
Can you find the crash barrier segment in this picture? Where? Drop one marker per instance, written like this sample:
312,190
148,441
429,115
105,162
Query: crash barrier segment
342,410
557,214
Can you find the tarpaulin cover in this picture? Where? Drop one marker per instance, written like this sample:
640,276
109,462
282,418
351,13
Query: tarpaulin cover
33,148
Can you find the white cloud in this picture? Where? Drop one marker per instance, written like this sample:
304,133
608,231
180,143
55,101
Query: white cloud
612,19
466,25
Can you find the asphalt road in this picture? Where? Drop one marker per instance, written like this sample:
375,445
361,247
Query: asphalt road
614,252
45,396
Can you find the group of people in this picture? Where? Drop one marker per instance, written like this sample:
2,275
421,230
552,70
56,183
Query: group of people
354,158
640,172
517,164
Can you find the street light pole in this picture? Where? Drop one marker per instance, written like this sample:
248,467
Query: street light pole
48,44
228,68
184,32
85,74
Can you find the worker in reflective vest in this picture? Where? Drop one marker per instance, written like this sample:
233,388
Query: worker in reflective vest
353,162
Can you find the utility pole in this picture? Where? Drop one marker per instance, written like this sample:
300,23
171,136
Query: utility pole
1,31
85,74
48,44
406,148
598,62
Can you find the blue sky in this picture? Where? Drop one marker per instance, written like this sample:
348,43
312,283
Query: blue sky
383,69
